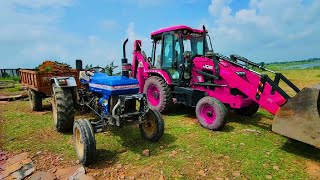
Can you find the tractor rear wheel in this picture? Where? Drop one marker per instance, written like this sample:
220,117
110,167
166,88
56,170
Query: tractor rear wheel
153,128
158,93
63,109
249,110
35,100
84,141
211,113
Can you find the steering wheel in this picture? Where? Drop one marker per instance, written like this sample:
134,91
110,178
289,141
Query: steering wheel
91,71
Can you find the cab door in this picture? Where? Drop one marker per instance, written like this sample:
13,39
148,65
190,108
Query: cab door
172,59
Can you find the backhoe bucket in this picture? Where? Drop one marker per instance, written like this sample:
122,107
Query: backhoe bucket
299,118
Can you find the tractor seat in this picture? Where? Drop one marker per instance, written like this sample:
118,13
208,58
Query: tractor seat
104,79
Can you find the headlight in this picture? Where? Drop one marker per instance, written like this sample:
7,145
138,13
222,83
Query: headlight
104,102
137,105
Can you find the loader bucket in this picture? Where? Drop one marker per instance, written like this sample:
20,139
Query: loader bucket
299,118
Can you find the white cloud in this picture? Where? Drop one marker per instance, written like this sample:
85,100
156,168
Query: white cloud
30,33
267,29
146,41
109,24
219,7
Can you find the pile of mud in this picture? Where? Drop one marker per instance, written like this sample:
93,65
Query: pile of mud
49,66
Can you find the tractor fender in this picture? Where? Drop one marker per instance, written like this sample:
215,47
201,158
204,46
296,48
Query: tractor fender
64,81
161,73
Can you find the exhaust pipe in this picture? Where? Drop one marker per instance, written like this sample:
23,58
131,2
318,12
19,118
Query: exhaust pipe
204,39
79,64
125,65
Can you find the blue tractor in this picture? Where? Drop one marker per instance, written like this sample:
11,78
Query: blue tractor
113,99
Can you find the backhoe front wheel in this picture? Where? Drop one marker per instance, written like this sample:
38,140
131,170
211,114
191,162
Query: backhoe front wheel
84,141
63,109
211,113
35,100
249,110
158,93
153,128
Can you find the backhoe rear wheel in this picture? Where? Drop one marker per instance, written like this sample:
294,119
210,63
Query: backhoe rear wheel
84,141
158,93
63,109
249,110
211,113
35,100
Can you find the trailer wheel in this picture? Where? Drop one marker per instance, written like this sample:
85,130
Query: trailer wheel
35,100
84,141
249,110
211,113
158,93
153,128
63,109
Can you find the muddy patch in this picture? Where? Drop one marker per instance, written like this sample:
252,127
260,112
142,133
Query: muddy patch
313,169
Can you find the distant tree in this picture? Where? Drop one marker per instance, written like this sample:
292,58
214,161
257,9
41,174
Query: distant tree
89,66
109,68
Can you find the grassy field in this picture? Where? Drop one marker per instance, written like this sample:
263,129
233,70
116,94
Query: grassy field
295,65
245,149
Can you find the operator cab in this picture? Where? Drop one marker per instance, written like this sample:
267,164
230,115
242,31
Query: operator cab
175,48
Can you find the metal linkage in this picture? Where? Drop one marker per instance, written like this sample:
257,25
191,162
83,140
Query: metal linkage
261,85
220,56
235,57
264,78
207,74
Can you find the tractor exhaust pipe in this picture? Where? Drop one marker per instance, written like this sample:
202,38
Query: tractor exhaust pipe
125,70
79,64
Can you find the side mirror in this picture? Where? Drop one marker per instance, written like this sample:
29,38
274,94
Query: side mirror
149,60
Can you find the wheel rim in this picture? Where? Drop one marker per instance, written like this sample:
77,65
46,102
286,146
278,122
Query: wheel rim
54,110
150,126
207,113
153,95
79,143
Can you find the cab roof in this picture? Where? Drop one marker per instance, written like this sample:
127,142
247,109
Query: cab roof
174,28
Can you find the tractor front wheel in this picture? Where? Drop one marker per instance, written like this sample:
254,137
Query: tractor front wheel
211,113
249,110
153,128
84,141
63,109
158,93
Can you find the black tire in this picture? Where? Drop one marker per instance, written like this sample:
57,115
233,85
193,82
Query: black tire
211,113
153,128
63,109
35,100
84,141
249,110
164,93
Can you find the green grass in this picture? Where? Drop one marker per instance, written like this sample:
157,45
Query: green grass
10,79
287,65
14,89
219,154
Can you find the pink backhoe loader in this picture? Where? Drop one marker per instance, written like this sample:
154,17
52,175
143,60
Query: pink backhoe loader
184,66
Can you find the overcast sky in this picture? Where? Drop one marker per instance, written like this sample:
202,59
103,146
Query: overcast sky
64,30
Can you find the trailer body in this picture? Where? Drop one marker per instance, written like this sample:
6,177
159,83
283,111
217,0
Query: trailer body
42,81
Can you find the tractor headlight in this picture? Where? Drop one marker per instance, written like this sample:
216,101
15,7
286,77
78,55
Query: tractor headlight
138,105
104,102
